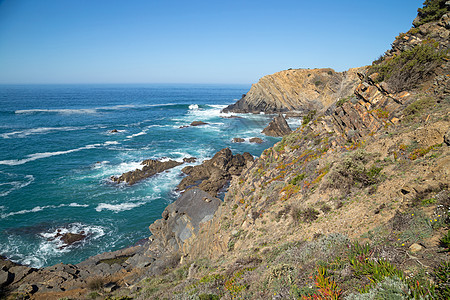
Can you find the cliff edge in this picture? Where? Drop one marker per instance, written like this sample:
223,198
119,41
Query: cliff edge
300,90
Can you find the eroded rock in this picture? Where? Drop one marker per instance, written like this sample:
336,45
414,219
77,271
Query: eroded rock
213,174
151,167
277,127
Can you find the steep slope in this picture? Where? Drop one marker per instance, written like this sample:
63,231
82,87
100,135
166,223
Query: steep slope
297,90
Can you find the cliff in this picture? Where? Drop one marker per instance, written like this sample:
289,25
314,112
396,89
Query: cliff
354,204
300,90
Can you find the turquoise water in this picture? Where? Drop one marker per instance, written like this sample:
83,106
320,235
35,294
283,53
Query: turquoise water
57,154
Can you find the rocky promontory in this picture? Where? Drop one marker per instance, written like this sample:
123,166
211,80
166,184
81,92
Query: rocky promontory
301,90
213,174
151,167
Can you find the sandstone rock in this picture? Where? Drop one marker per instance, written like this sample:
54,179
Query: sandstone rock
277,127
5,278
198,123
447,138
27,289
114,131
415,248
151,167
213,174
238,140
301,90
256,140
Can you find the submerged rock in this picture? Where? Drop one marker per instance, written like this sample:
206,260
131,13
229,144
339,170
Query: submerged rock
256,140
198,123
238,140
277,127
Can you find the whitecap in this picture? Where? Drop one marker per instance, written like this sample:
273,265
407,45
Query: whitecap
137,134
40,130
193,107
118,207
35,156
60,111
17,185
40,208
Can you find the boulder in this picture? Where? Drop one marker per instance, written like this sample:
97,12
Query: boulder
114,131
256,140
212,175
198,123
238,140
151,167
277,127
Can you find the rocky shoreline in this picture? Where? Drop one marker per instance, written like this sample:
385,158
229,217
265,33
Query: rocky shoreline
180,221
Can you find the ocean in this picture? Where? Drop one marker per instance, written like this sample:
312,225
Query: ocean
58,152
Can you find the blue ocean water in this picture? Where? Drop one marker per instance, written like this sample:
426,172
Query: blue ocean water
57,154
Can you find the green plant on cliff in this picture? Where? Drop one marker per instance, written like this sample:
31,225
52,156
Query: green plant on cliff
308,117
408,69
432,10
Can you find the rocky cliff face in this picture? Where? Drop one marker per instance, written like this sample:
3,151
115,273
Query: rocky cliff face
300,90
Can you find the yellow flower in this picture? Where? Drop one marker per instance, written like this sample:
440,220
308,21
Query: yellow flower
403,244
435,220
412,214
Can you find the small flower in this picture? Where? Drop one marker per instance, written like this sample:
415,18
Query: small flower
435,220
412,214
403,244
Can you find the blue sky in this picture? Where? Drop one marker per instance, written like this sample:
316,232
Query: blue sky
171,41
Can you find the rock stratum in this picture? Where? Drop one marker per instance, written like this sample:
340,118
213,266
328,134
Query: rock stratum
356,199
300,90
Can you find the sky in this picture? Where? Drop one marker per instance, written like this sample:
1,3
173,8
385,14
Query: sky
190,41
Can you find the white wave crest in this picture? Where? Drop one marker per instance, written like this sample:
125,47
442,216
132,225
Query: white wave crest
59,111
137,134
40,130
118,207
193,106
40,208
35,156
16,185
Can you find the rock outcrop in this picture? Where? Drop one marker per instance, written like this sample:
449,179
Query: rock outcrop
277,127
300,90
151,167
181,220
213,174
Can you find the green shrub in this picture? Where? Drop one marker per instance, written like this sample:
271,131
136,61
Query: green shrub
208,297
308,117
408,69
442,280
432,10
417,107
445,241
297,179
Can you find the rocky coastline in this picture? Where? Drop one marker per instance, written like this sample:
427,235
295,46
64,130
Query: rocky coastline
361,186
